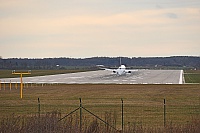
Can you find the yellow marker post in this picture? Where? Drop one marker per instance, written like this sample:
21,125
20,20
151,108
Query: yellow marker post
16,85
10,85
21,74
4,85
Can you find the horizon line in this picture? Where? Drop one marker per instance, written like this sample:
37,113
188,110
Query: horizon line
100,57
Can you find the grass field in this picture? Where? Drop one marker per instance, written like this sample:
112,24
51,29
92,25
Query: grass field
192,76
8,73
143,104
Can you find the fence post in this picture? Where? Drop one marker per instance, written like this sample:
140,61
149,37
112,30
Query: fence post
80,115
164,113
122,115
39,107
0,84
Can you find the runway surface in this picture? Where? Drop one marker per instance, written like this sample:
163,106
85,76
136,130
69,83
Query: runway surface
106,77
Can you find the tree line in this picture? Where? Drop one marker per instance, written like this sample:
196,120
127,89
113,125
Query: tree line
192,62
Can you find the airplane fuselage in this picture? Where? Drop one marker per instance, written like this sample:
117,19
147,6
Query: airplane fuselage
121,70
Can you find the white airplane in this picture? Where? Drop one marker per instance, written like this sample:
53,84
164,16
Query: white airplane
121,70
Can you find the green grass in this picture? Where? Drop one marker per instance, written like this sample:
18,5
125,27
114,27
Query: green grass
8,73
192,76
142,103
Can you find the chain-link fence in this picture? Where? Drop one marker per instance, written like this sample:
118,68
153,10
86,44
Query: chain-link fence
112,112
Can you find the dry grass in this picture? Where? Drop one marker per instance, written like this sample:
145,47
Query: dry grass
50,122
143,104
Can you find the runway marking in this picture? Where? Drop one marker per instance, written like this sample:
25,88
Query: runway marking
50,80
72,82
42,80
181,77
75,77
73,73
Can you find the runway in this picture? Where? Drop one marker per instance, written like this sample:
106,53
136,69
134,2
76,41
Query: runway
107,77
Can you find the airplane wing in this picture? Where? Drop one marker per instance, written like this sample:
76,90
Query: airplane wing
107,69
130,71
113,70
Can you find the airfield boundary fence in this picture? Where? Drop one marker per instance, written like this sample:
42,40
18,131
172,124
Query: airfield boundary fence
109,122
122,115
123,112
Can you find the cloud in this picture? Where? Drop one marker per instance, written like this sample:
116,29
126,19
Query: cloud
140,31
40,24
28,24
172,15
159,6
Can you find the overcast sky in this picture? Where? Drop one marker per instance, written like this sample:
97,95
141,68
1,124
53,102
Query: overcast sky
88,28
